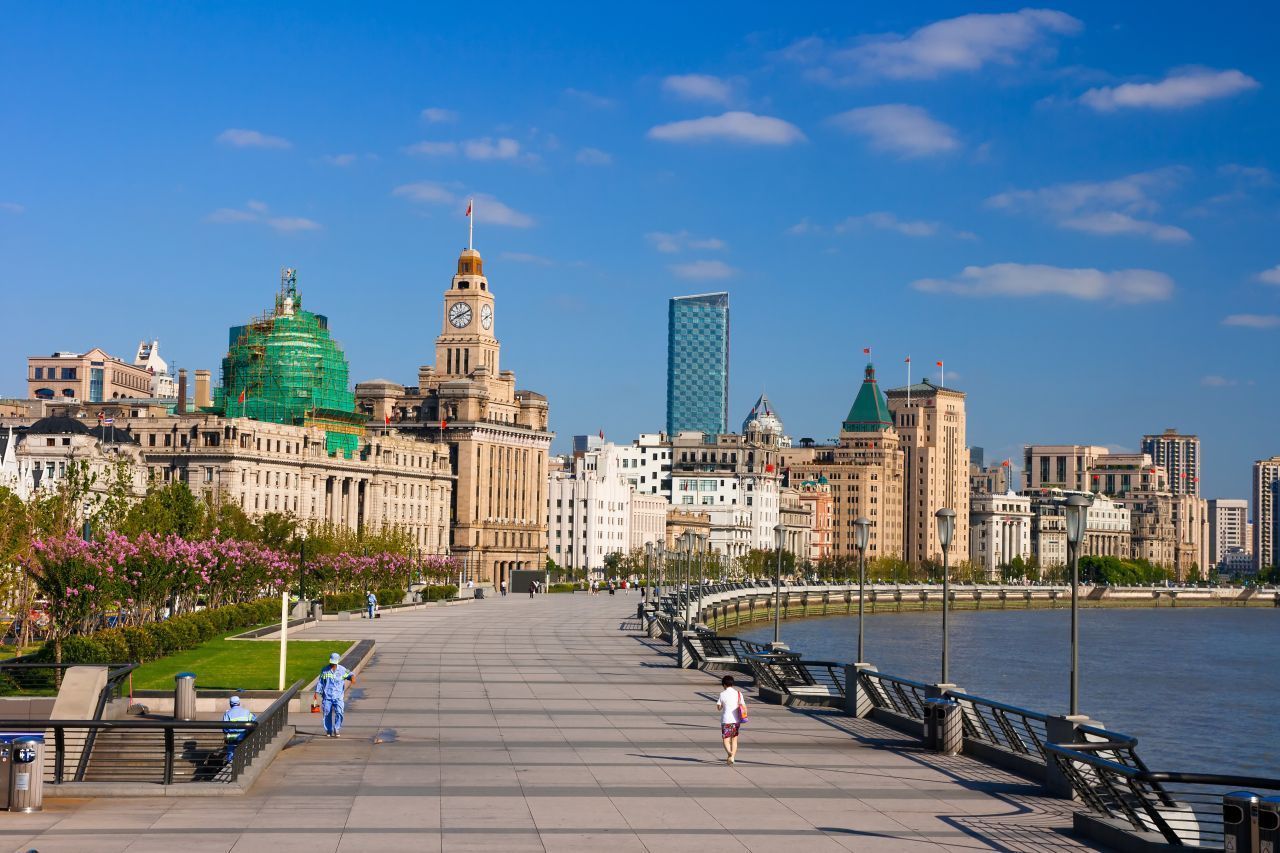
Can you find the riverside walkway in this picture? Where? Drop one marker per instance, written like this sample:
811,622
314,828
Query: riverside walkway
551,724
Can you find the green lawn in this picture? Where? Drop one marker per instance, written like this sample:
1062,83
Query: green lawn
239,664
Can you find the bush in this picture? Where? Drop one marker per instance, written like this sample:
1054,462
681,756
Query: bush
387,597
335,601
438,593
562,587
142,643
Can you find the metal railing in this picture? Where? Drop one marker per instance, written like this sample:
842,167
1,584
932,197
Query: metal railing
1020,731
116,676
1184,808
900,696
154,751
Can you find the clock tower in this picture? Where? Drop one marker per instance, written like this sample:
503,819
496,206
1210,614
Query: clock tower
466,339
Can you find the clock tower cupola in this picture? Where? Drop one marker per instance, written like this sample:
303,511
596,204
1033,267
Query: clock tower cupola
466,340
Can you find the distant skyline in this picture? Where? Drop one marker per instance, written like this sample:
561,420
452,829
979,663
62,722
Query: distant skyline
1074,206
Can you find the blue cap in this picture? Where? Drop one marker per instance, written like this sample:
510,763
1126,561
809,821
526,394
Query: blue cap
235,700
335,657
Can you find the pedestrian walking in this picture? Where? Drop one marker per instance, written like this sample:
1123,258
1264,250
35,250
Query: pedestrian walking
236,713
503,587
533,587
371,602
331,689
733,713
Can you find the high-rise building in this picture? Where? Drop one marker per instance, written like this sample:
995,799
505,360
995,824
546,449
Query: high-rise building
589,510
1266,512
698,364
865,474
1180,456
497,434
930,421
1228,527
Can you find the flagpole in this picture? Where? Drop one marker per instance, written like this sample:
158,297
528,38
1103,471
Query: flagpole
471,222
908,381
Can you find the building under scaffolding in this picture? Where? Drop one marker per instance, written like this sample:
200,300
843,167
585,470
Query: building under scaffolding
285,368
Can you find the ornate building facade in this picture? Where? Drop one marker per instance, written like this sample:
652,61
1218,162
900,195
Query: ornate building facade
497,435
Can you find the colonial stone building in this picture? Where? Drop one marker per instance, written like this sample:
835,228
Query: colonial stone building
864,472
497,435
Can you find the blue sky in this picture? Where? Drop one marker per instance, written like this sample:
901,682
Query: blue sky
1075,206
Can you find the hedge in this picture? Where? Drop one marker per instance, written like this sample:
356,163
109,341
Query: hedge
142,643
438,593
562,587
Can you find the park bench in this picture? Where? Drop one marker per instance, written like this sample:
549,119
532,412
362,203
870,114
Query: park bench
785,679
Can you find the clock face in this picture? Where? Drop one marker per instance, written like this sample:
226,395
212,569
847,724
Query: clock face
460,315
486,316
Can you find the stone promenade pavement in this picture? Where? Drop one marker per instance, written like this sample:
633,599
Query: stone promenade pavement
552,725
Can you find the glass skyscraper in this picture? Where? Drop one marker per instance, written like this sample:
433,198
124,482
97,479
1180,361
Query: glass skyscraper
698,363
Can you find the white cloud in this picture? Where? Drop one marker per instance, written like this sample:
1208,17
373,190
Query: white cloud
484,148
425,191
1271,276
593,157
439,115
885,220
703,270
698,87
1214,381
1021,280
241,138
1102,207
1252,321
966,43
491,149
256,212
591,99
734,126
289,224
679,241
11,207
489,211
1182,88
1258,176
1111,222
899,128
339,159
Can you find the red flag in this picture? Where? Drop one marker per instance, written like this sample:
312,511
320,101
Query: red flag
468,208
866,350
939,364
241,399
387,419
907,359
602,435
443,424
1005,463
769,468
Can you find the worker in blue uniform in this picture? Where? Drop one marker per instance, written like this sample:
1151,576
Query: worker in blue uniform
370,602
331,690
237,713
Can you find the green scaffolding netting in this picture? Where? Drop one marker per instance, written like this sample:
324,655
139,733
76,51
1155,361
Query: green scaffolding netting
286,368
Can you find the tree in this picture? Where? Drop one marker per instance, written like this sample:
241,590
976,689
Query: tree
167,509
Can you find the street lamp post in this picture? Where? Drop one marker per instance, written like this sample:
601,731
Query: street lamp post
946,527
648,571
88,527
777,644
302,569
1077,511
686,550
861,535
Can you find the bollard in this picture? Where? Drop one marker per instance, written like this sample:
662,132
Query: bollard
1240,822
26,779
1269,825
317,610
184,696
857,699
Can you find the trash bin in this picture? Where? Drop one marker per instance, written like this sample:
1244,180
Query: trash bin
1269,824
480,592
184,696
1240,822
943,728
26,776
317,609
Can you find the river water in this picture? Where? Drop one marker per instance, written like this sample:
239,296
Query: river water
1199,687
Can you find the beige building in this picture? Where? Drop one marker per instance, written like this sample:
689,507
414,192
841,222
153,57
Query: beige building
1266,513
817,495
497,435
1059,466
992,480
864,472
91,377
797,520
931,423
648,520
39,455
999,531
1179,455
1107,528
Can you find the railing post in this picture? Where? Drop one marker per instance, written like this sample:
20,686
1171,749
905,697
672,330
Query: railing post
1064,729
59,753
168,755
857,698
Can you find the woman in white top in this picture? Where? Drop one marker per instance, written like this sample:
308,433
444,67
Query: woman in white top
733,713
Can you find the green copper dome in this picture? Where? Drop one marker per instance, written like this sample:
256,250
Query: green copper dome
870,412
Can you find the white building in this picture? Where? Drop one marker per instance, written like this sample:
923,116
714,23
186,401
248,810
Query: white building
1266,512
999,531
163,385
589,510
648,520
